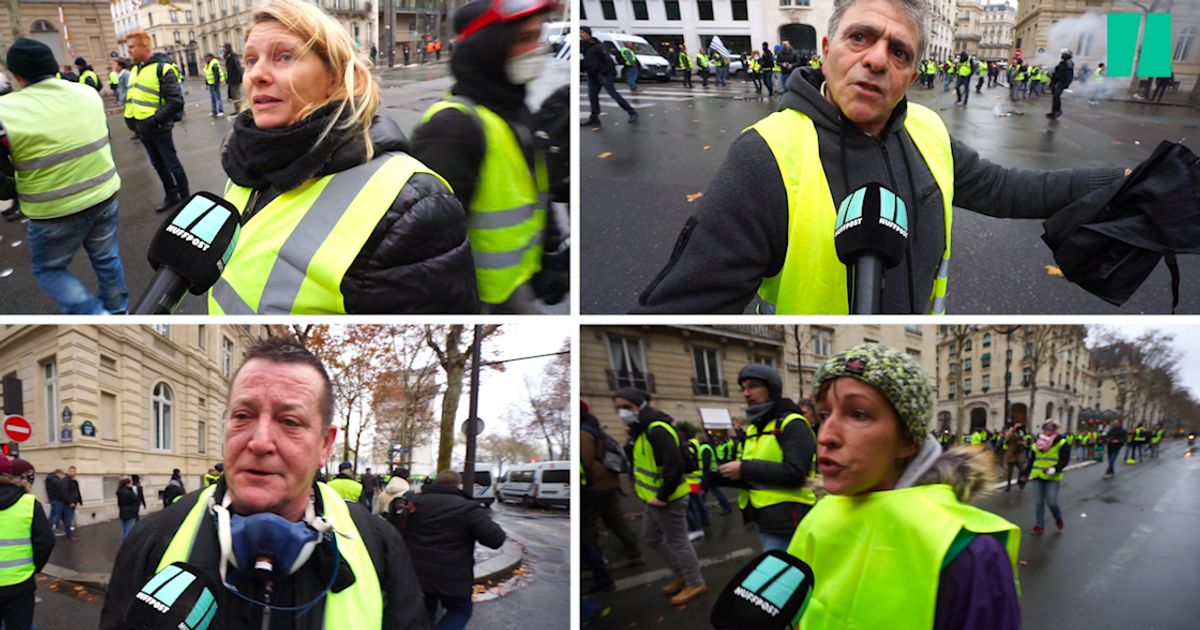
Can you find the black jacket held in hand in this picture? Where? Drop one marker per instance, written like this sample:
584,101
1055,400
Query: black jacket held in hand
1110,241
137,562
739,234
417,259
40,534
441,536
163,120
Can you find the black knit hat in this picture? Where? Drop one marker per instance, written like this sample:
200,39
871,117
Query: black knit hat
30,59
80,61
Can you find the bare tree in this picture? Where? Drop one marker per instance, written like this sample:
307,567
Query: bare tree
452,345
958,336
549,405
801,340
506,449
14,19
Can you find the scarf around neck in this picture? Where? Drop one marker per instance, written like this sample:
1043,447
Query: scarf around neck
281,158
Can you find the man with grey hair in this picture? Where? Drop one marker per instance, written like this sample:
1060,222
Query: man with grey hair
769,231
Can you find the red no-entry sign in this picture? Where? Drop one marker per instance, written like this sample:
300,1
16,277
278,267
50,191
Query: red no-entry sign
17,428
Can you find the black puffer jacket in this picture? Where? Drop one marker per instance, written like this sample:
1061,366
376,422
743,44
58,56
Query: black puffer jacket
441,536
417,259
163,120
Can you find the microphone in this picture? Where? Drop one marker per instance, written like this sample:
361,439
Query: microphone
179,596
770,592
871,234
189,252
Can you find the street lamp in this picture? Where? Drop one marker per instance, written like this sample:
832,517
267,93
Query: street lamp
1008,331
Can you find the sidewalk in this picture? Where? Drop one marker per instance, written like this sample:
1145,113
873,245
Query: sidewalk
89,560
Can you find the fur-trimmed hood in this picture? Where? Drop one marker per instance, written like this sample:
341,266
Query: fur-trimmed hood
970,470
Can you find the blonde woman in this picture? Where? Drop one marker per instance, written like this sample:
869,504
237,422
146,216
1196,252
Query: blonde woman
335,216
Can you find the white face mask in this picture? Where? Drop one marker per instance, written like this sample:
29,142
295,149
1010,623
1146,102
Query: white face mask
627,416
525,68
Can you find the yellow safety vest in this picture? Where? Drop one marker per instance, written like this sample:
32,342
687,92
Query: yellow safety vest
349,489
83,77
213,71
812,279
292,254
685,62
755,66
60,151
647,475
507,214
16,541
361,601
876,559
964,69
143,98
210,479
1045,459
113,77
765,446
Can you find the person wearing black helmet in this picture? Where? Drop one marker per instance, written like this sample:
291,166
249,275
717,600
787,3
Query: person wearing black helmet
774,473
1064,73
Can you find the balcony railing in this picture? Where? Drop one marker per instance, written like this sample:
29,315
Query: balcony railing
617,380
709,388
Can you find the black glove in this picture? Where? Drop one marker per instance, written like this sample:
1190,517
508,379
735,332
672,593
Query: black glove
552,283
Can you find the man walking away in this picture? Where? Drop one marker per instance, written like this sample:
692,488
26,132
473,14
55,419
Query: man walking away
441,534
28,537
1115,438
767,64
600,71
152,106
65,180
370,483
233,74
1064,73
629,58
214,76
72,499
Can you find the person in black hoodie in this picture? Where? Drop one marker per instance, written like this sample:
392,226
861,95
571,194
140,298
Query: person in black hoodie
17,506
774,474
152,105
475,137
335,218
441,534
600,69
750,222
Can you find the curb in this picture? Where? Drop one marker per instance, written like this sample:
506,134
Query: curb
94,580
501,566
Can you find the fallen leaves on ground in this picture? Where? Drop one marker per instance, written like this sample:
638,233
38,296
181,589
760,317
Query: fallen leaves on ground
691,198
1052,270
605,155
707,147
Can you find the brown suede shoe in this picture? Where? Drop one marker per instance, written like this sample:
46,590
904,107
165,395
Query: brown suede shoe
689,593
675,586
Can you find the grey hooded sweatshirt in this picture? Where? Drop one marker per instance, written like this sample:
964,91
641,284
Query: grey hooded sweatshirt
738,236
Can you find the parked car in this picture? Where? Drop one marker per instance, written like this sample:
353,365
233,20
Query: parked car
537,484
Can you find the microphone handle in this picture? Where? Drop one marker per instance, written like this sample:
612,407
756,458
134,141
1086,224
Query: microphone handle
163,296
867,298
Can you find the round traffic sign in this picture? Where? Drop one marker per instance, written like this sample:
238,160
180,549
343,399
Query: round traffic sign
17,428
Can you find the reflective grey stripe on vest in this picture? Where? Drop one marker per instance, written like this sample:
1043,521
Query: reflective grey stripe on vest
19,562
501,218
10,542
59,158
290,268
67,191
647,486
501,260
939,301
138,86
146,103
643,471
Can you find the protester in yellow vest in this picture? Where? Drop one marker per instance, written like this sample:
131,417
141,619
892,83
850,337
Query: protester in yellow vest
479,138
214,76
774,473
278,432
685,65
27,535
1051,453
153,103
87,75
345,484
335,217
658,480
65,181
896,524
758,233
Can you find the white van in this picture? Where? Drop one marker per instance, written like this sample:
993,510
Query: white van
538,484
485,486
651,65
556,34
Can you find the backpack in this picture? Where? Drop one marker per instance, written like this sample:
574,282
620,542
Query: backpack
691,460
399,511
614,458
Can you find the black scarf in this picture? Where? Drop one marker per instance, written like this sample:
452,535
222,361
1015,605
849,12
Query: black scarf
280,158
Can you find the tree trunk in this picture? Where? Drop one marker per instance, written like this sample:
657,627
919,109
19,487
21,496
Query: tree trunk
454,388
14,19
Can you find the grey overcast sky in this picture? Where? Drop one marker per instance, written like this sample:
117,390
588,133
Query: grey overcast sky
1187,340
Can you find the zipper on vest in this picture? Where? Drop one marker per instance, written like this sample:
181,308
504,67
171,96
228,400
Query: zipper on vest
250,203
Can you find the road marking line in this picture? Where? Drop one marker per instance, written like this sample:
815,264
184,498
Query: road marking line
653,576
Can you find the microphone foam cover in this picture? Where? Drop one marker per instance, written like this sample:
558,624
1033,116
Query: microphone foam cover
179,596
197,240
872,220
769,592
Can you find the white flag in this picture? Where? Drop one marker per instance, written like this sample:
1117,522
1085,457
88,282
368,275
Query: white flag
716,45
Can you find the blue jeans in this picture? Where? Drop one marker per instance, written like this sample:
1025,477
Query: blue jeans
697,512
774,541
604,81
163,158
1112,457
52,244
458,611
1045,493
631,77
69,520
56,512
722,74
127,525
214,95
725,507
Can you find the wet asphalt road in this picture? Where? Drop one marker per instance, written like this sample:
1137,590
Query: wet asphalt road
1120,562
406,93
636,181
541,596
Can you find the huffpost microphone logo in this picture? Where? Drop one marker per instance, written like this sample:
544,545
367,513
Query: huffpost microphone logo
164,589
893,213
1155,58
770,585
199,222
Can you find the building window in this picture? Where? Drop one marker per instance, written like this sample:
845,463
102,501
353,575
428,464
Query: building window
739,11
162,417
914,353
177,40
967,346
202,444
1026,376
640,12
174,16
50,388
189,16
987,340
822,342
226,357
708,372
162,329
986,382
967,364
913,329
986,360
200,336
764,360
966,386
608,9
1183,48
672,7
628,361
705,9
